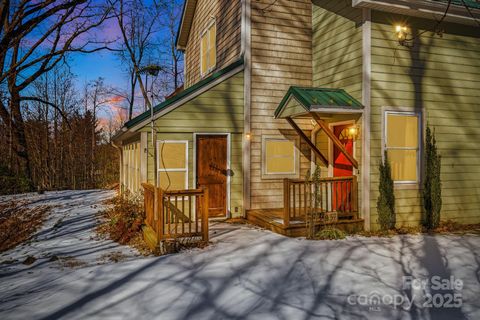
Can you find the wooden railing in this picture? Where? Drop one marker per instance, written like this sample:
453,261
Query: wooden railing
175,214
337,194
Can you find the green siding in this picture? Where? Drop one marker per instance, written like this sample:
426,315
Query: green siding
337,46
439,76
218,110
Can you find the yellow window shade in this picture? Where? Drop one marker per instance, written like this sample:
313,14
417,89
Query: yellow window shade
279,156
404,164
173,155
203,53
402,131
172,180
212,54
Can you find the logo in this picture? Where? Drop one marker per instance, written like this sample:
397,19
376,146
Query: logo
434,292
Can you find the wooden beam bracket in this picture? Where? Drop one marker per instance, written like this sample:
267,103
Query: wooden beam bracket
307,140
334,139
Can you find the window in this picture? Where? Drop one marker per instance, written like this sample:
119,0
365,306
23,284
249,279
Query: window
279,157
172,164
402,145
208,49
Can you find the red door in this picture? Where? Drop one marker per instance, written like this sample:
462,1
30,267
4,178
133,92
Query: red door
342,168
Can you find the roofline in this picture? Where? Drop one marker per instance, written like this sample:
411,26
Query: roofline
422,8
179,99
293,91
181,25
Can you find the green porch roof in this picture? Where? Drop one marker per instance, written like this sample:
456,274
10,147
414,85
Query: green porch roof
190,90
300,100
469,3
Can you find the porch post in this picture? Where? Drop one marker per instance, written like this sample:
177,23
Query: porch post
286,202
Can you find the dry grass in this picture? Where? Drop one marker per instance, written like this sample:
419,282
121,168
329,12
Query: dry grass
450,226
19,222
115,256
122,222
445,227
71,262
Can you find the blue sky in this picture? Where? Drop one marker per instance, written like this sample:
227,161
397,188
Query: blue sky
104,64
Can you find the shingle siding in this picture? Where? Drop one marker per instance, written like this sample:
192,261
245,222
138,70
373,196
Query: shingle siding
281,52
227,14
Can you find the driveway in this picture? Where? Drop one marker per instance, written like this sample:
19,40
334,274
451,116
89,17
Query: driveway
247,273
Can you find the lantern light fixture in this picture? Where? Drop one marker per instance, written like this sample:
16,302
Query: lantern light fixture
401,32
353,132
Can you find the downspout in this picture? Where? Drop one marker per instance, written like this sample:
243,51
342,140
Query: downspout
366,101
154,146
246,54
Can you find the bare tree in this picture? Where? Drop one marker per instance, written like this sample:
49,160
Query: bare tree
138,22
35,37
173,71
98,95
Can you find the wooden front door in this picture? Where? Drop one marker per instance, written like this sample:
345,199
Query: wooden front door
212,171
342,168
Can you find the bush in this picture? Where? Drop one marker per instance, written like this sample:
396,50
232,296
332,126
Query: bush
432,186
331,234
11,183
386,198
125,218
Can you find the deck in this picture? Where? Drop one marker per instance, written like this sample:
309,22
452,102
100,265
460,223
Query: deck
272,219
326,201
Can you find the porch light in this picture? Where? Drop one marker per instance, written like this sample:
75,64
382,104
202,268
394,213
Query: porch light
248,136
353,132
401,32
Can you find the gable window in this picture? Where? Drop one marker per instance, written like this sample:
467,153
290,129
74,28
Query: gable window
280,159
402,143
172,164
208,49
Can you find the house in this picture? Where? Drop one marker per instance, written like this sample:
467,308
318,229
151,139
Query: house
274,88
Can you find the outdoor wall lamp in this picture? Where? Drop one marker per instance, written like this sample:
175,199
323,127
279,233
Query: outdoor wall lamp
401,32
248,136
353,132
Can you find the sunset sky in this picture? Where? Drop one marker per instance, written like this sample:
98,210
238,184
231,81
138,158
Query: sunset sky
107,64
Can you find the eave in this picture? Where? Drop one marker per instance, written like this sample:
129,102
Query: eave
131,127
185,24
427,9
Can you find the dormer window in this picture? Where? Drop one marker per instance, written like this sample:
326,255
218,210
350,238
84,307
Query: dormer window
208,49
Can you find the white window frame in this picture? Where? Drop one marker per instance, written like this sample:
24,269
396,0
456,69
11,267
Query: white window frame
131,166
209,69
159,142
280,175
418,149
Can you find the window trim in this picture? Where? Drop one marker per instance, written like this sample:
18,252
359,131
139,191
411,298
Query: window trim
175,169
419,149
205,31
131,163
281,175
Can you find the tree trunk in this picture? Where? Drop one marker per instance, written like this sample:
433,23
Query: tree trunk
18,127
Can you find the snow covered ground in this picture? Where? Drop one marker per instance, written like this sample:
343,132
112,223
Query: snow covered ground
246,273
